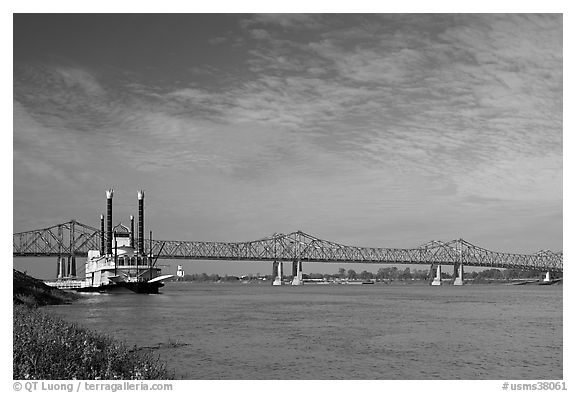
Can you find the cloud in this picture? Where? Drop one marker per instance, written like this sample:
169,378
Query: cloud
469,107
464,99
259,34
178,131
43,155
217,40
286,21
77,78
63,97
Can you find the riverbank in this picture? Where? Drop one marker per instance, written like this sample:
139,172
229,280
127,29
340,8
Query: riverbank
32,292
46,347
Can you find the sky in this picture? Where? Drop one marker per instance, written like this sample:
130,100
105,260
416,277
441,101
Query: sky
378,130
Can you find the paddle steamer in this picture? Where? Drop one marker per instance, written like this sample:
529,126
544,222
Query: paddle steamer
119,266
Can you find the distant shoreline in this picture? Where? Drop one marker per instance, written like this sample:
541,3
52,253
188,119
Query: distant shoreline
359,282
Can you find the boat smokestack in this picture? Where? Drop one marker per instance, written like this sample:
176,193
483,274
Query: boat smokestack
132,231
102,237
141,222
109,195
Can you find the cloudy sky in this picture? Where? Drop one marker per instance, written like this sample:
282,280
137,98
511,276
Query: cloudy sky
384,130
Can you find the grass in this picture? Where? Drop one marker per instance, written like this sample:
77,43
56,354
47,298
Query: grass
46,347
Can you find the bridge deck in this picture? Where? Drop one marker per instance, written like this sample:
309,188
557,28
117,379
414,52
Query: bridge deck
74,237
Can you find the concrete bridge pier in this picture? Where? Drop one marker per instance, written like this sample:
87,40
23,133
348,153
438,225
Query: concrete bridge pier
436,275
546,277
66,262
274,271
60,267
71,267
277,273
458,274
297,273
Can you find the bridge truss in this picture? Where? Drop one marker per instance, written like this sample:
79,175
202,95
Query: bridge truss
75,239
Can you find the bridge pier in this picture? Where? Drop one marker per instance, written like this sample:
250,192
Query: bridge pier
458,274
297,273
277,273
546,277
436,275
71,268
60,267
72,257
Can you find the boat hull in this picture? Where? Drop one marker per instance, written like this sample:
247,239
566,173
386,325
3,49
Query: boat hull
125,287
551,282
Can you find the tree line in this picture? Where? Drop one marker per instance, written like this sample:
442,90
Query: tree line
383,274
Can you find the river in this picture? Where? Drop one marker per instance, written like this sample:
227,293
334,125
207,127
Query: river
256,331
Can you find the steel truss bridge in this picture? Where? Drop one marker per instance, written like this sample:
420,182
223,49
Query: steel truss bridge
75,239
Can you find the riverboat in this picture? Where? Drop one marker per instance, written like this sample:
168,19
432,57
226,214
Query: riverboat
121,268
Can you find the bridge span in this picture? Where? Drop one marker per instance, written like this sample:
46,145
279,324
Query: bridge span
74,239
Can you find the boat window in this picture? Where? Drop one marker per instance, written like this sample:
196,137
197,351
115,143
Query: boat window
139,260
121,261
132,261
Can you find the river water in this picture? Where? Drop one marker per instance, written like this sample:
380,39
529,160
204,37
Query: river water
256,331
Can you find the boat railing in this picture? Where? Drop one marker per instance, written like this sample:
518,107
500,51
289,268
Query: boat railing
67,284
107,264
